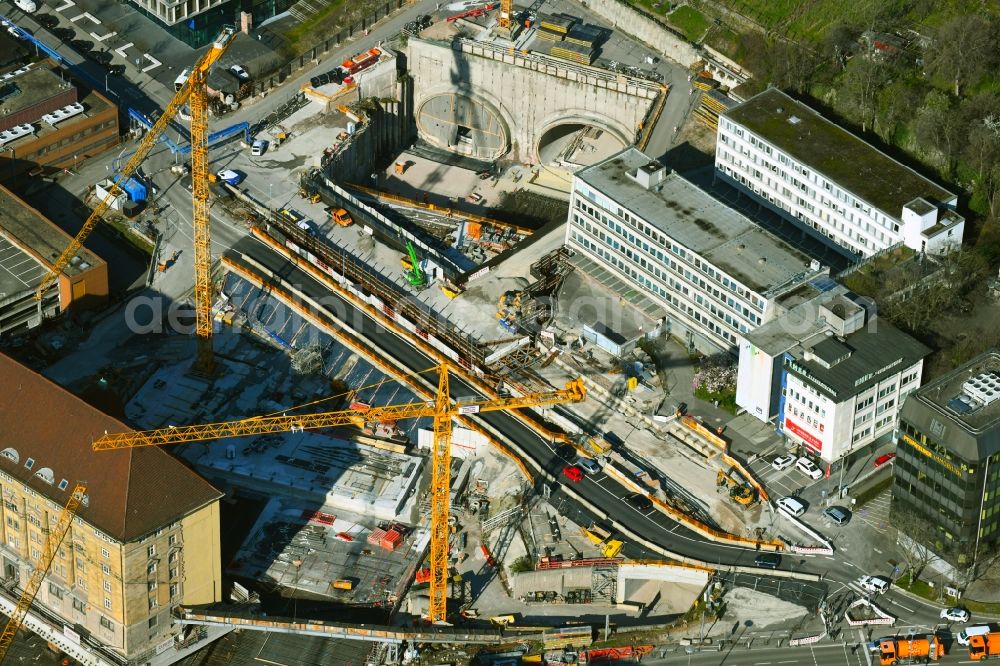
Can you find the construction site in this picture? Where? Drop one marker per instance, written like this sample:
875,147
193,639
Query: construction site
400,377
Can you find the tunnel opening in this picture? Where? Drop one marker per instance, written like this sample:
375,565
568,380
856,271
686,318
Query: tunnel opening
463,125
576,145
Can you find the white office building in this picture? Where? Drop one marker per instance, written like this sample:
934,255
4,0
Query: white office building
712,273
829,181
831,375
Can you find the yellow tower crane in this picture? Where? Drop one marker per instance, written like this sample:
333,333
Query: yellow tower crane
193,92
443,409
42,566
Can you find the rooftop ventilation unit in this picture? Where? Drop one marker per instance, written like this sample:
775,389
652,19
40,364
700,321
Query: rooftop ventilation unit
795,120
984,388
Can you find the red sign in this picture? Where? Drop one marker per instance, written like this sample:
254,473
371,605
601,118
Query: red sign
811,441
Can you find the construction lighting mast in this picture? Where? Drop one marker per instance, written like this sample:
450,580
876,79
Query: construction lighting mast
193,91
42,566
442,409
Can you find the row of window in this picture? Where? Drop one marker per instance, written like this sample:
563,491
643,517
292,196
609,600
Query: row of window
55,146
666,242
629,271
652,267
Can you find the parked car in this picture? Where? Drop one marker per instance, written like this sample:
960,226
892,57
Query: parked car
639,502
230,176
809,468
874,584
566,452
956,614
783,462
792,505
768,560
573,473
838,514
258,147
100,57
883,459
240,73
589,464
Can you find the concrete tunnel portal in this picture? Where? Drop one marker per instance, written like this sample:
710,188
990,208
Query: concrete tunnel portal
470,125
577,143
464,125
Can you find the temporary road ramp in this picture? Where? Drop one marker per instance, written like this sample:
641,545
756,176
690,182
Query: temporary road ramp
252,620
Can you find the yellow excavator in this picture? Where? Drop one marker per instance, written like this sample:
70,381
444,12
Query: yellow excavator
740,491
601,537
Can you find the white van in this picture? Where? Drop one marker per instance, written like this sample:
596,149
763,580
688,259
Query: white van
792,505
977,630
26,6
182,79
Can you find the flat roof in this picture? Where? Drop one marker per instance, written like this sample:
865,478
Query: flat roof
29,229
693,218
942,392
40,83
827,148
871,352
36,85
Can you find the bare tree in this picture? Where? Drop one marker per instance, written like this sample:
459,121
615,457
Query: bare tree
963,49
938,127
914,534
863,81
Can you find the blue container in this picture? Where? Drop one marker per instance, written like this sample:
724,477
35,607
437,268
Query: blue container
133,187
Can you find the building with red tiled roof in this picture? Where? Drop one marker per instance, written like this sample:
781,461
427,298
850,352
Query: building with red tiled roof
122,567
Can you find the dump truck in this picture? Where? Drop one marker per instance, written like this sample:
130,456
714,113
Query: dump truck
912,650
984,646
601,537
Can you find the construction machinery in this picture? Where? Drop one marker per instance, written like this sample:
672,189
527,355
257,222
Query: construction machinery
601,537
910,650
192,93
740,491
414,274
56,535
984,646
443,409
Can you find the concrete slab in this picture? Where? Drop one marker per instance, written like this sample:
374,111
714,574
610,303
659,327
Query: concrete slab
304,549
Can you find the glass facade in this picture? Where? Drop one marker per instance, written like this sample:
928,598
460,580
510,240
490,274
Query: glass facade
960,498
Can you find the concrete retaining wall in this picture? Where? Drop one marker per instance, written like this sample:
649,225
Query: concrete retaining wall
647,30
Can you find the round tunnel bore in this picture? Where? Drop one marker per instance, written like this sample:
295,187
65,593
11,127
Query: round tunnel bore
573,145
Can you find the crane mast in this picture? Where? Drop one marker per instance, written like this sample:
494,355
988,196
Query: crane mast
193,92
437,610
42,566
204,363
443,409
